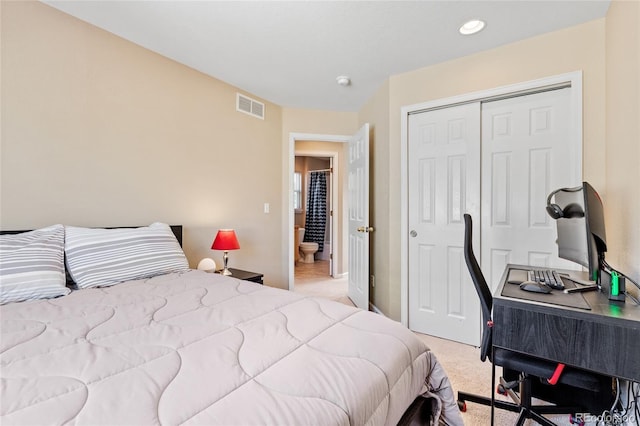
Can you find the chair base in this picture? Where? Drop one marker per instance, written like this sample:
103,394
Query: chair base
535,412
521,405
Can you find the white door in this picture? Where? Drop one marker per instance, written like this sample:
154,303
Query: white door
358,211
444,183
528,150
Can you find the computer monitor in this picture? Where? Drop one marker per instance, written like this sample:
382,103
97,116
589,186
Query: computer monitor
581,233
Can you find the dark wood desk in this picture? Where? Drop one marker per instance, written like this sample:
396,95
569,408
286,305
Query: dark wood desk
603,339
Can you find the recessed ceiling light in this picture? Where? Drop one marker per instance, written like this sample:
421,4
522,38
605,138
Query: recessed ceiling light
471,27
343,80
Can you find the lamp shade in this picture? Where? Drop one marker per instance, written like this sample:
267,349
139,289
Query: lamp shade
225,240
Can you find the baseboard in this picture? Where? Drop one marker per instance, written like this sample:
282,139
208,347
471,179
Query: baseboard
375,309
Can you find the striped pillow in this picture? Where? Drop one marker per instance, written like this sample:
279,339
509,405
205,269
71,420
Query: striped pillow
98,257
32,265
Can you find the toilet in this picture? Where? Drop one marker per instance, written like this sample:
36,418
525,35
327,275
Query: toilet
307,250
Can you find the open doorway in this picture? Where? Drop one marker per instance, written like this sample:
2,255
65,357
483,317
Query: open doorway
313,217
351,211
324,155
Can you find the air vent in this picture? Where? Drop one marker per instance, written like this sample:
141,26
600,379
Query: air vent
249,106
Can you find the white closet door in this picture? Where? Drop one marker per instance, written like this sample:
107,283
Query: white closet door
529,148
444,183
498,162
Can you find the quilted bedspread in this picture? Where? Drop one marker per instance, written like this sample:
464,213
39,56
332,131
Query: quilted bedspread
200,348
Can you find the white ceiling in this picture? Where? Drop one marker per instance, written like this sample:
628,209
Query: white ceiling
290,52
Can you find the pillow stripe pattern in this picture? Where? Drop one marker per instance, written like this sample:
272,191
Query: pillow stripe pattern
98,257
32,265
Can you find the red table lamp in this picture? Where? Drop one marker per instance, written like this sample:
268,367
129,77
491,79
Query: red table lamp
225,240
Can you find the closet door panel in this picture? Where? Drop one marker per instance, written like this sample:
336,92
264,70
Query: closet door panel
526,154
444,176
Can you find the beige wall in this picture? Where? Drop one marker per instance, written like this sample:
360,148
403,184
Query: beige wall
577,48
622,197
97,131
299,167
315,121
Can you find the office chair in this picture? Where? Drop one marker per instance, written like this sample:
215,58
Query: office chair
577,390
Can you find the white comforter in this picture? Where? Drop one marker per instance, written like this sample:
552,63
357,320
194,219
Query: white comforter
199,348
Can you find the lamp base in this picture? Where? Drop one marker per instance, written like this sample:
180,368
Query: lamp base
225,258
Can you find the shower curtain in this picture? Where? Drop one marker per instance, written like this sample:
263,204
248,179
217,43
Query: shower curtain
316,210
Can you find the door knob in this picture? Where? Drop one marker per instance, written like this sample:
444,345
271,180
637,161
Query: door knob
413,233
365,229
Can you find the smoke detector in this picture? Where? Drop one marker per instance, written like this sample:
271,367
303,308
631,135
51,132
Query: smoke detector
343,80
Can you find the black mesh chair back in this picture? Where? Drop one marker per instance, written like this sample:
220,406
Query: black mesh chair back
480,284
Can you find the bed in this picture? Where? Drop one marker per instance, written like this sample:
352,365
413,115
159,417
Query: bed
190,347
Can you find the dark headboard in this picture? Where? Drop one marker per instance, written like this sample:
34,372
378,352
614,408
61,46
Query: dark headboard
177,231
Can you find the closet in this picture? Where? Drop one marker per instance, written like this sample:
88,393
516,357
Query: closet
495,158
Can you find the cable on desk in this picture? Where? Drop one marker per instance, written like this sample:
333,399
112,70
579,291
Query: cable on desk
632,298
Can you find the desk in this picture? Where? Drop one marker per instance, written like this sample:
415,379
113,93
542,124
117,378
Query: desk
604,339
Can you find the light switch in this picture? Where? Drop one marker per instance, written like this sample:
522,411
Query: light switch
266,207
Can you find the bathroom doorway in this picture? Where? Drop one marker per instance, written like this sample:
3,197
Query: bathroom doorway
329,267
313,216
351,228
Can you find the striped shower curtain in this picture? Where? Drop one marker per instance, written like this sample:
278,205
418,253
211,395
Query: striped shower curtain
316,210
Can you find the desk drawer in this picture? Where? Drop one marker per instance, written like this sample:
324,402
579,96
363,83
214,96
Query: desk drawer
581,342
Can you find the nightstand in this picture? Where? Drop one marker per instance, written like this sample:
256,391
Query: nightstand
245,275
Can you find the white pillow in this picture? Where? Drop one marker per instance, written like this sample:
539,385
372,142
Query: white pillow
98,257
32,265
